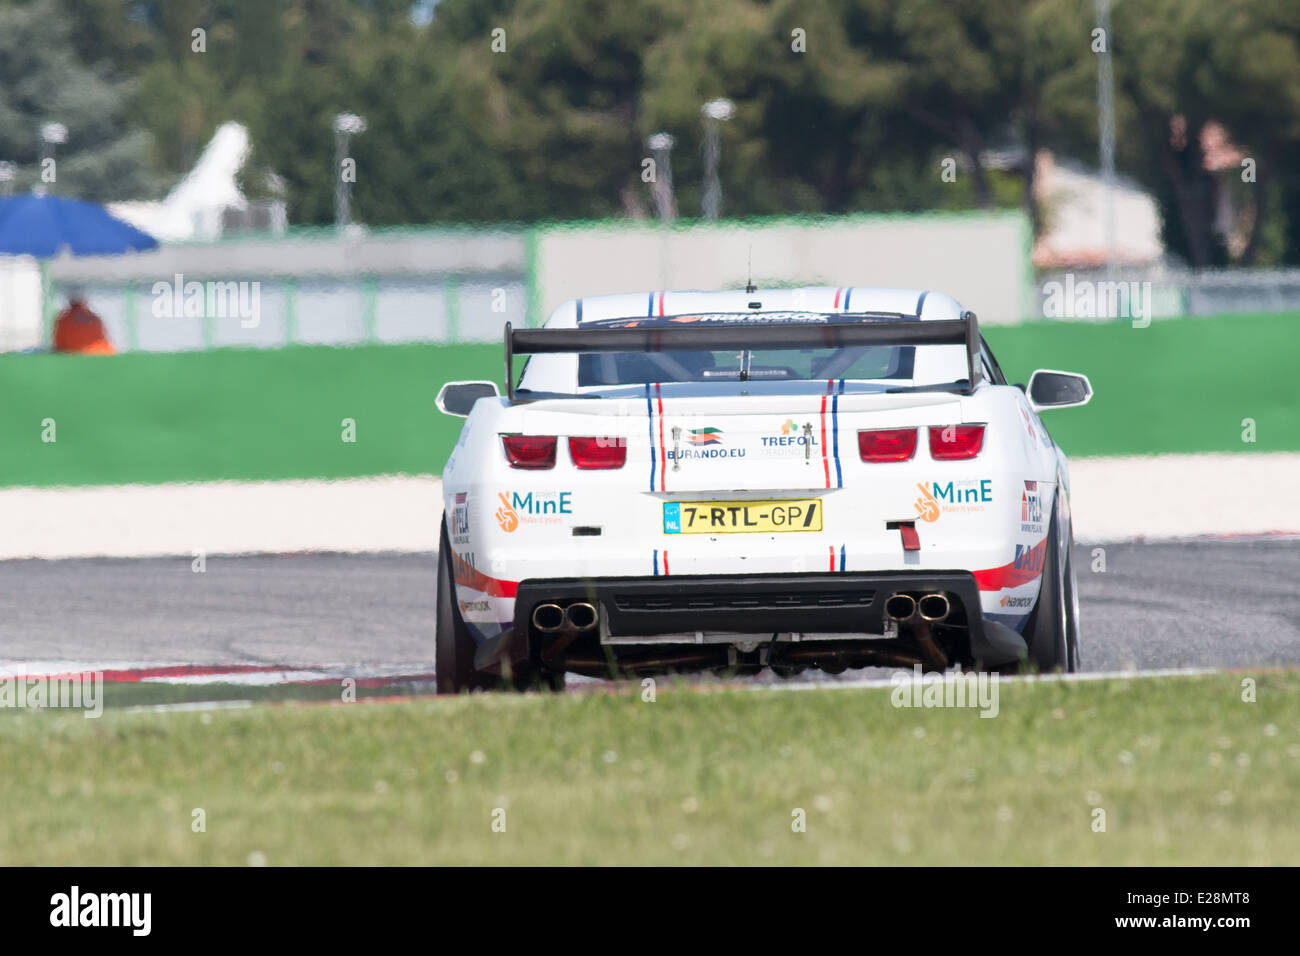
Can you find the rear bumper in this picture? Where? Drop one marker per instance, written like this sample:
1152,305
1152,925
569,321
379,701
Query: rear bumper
745,604
844,602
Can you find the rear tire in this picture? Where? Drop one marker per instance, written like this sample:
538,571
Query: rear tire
454,646
453,652
1052,632
1072,609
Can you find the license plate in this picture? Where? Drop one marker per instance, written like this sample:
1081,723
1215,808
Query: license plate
742,517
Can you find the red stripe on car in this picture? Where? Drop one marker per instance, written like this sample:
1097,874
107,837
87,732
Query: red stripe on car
663,468
826,463
1025,567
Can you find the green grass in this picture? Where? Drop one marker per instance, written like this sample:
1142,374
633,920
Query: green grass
231,413
1178,386
1186,772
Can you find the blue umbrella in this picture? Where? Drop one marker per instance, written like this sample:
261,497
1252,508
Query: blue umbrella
44,226
49,226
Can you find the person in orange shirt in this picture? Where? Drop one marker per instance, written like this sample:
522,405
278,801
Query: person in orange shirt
77,329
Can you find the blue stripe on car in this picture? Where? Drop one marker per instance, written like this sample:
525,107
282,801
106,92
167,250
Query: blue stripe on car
835,431
650,429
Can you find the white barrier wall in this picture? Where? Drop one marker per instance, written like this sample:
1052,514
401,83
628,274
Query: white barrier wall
20,303
452,285
982,259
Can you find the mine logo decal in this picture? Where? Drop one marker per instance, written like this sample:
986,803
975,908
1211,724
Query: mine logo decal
953,497
535,507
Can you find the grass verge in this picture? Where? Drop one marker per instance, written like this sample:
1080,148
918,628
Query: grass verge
231,414
1177,386
1186,772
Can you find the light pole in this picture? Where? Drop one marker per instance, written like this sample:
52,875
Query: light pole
714,112
345,125
661,145
52,134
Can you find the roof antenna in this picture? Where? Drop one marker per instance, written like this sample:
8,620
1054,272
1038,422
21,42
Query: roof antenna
749,272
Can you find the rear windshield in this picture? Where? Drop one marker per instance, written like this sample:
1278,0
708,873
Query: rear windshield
636,368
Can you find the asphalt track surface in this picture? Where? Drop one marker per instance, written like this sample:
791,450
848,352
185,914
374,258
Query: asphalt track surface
1203,603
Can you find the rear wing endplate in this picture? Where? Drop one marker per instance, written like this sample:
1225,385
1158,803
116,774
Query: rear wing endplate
740,335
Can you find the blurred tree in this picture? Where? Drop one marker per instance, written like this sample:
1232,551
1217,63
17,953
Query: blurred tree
42,81
1182,65
840,106
117,35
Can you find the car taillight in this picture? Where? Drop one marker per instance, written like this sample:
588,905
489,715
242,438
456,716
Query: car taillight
887,444
530,451
598,452
953,442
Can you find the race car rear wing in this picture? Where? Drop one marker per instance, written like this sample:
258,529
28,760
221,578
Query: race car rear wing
742,335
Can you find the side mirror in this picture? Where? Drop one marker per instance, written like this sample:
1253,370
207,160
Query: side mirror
457,398
1052,389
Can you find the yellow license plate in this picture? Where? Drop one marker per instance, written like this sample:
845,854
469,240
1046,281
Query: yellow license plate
742,517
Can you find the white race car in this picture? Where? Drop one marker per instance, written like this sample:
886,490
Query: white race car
783,478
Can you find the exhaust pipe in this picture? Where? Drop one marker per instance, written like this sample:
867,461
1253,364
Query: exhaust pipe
580,616
933,607
548,618
571,622
918,620
900,607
